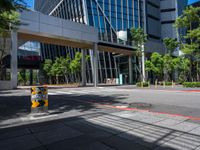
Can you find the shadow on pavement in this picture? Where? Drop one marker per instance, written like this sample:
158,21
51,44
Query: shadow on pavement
93,130
104,132
13,106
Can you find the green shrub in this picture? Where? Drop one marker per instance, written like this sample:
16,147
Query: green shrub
144,84
191,84
166,83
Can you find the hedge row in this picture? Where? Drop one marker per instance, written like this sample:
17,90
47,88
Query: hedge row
166,83
146,84
142,84
191,84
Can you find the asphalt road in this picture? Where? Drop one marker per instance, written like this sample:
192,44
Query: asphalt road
77,101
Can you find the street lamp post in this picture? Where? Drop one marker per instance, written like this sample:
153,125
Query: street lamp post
143,64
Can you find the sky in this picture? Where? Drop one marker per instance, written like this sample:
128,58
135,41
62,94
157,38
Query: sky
30,2
192,1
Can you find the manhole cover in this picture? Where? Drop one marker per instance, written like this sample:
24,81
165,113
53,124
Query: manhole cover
140,105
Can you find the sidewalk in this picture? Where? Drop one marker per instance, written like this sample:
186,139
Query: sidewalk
122,130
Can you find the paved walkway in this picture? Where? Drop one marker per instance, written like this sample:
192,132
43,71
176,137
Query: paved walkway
98,119
122,130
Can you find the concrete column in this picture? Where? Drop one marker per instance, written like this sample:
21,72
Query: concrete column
13,60
130,66
83,68
135,67
95,66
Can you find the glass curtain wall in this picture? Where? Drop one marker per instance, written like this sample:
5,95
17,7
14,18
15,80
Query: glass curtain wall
69,10
109,16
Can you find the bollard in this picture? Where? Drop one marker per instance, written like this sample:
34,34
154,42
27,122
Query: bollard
148,84
163,84
39,99
156,83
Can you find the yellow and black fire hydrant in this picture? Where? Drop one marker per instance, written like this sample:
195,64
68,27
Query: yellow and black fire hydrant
39,99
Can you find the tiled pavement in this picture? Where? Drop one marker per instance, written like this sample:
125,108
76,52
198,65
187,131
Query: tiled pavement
124,130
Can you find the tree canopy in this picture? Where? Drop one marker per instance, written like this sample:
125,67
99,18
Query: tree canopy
155,64
8,12
189,22
164,66
63,66
170,44
138,37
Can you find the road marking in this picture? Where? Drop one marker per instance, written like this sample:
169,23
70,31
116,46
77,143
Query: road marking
59,93
154,112
165,90
37,118
62,92
80,92
141,110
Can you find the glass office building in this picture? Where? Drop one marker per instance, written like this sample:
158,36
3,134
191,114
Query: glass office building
112,17
109,16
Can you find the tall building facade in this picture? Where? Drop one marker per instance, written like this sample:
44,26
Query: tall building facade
111,17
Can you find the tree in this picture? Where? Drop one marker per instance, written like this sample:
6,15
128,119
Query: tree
75,64
5,31
190,21
155,64
57,68
22,77
170,44
182,65
168,66
139,38
65,63
12,5
9,20
63,67
9,7
189,17
47,67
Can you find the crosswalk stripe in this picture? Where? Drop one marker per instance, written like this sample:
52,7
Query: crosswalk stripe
79,92
62,92
82,91
66,93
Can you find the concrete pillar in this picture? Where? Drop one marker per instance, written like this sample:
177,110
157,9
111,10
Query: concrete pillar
95,66
13,60
83,68
135,68
130,66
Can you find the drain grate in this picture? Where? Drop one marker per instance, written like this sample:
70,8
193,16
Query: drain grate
140,105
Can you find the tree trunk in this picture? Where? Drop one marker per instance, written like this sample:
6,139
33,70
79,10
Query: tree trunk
197,72
140,68
24,76
57,80
190,71
1,57
66,79
50,80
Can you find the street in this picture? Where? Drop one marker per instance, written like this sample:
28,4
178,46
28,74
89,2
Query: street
102,118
